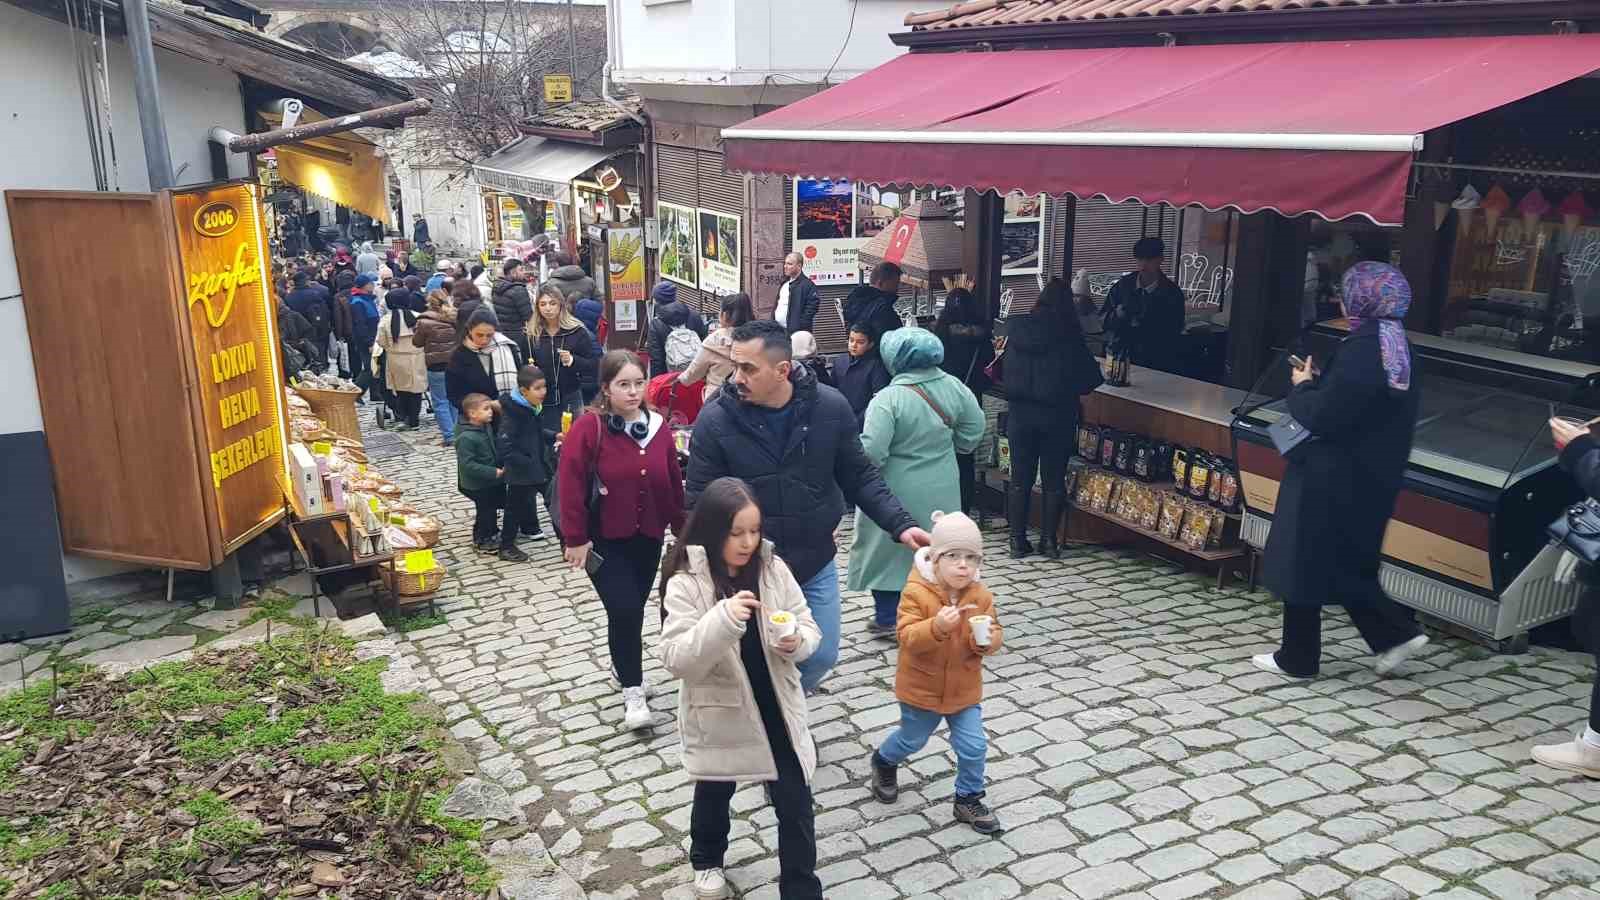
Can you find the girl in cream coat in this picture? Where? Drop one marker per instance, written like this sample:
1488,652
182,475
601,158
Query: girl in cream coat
735,626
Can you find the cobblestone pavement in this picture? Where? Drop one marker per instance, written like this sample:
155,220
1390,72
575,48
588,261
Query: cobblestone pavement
1134,751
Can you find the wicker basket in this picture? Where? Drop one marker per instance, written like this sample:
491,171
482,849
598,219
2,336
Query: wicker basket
426,528
337,408
408,584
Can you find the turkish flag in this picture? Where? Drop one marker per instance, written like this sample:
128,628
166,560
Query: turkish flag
900,239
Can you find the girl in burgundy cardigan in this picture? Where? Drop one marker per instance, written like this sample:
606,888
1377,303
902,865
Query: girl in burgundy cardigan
643,497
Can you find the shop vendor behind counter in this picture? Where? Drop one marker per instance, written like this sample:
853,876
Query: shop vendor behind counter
1144,314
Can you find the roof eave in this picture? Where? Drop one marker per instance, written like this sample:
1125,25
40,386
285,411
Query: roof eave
609,137
1437,18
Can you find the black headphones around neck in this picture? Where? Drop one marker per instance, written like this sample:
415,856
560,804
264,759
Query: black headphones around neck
638,430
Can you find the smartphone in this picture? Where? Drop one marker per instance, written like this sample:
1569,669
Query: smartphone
593,563
1296,362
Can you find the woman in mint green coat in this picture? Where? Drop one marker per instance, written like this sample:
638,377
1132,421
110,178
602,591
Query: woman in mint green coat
914,429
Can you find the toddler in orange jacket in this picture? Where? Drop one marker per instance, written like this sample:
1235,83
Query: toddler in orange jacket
946,625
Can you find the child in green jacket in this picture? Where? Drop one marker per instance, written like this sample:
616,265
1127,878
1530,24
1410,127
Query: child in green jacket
480,473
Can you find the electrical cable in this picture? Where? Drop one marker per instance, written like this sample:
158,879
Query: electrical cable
849,32
105,75
83,96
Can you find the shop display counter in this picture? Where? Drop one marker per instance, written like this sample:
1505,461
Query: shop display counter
1162,407
1467,540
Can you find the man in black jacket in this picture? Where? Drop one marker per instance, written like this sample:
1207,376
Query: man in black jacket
312,300
512,305
797,297
794,442
873,303
1144,312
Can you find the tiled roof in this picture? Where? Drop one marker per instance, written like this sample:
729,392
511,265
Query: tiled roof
586,115
976,13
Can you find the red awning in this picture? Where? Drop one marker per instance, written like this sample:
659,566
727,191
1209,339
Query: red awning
1327,127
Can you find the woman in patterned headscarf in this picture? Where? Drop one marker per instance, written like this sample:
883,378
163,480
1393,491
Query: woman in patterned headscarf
1340,486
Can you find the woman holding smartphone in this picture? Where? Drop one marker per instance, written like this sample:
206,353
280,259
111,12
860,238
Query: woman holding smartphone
626,448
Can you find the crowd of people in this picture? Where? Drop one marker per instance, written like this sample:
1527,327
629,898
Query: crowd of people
785,442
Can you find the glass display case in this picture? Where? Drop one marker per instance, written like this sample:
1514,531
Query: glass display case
1467,541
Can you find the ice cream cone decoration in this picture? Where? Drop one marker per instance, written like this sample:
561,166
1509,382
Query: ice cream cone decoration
1465,204
1574,209
1495,203
1532,208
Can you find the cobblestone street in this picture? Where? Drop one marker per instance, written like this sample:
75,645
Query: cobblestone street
1133,749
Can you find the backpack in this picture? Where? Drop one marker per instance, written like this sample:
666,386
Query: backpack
317,315
681,346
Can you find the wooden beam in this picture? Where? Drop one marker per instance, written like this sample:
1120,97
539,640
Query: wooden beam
254,143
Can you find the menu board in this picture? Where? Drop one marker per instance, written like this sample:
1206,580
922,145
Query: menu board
233,325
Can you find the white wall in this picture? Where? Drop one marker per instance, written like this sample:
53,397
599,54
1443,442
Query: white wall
46,148
448,199
746,42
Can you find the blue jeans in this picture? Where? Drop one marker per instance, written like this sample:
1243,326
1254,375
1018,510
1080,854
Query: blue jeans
822,596
443,412
966,736
886,607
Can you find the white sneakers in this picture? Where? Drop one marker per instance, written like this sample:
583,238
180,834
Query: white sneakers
1577,755
710,884
617,680
1266,662
636,712
1390,659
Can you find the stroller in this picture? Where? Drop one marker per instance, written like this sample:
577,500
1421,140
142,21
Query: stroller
679,403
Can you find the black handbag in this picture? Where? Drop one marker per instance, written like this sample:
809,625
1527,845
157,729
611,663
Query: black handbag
1287,434
1578,530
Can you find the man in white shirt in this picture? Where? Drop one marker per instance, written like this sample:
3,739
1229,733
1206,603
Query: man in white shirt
797,296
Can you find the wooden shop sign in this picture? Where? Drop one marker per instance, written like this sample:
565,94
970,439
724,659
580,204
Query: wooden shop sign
232,318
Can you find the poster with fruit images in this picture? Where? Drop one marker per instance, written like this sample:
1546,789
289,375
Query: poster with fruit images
679,259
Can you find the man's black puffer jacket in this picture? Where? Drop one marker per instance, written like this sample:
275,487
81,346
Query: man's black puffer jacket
804,494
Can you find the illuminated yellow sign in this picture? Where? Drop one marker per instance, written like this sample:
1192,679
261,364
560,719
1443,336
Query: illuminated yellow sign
216,219
203,285
233,322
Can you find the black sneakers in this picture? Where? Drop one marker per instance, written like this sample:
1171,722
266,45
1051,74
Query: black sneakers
972,811
489,545
512,554
885,780
876,630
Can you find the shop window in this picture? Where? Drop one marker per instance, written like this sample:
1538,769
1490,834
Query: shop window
1331,249
1521,282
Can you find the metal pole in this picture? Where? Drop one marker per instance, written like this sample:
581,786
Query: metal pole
153,127
572,48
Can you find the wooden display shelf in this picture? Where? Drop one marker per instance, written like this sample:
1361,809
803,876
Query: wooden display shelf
1217,555
1104,528
323,541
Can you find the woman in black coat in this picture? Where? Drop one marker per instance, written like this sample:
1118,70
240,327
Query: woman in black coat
1047,368
1580,458
1341,484
965,330
563,351
484,362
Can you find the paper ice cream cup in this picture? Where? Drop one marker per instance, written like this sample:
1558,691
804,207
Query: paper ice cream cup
981,629
783,624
